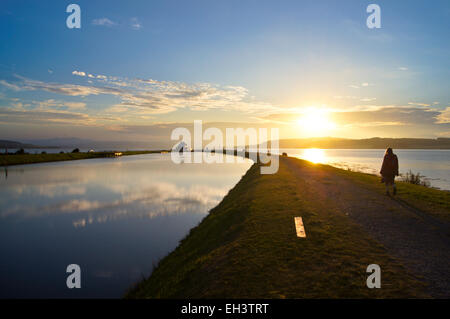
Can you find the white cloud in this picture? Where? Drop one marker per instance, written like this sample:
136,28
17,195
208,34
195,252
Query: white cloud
9,115
79,73
53,104
375,124
444,116
419,104
403,68
363,84
10,86
368,99
140,97
64,89
105,22
135,24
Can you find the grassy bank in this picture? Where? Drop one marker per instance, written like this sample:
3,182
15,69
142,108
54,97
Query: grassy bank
247,246
17,159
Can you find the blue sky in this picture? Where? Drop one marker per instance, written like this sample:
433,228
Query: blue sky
137,65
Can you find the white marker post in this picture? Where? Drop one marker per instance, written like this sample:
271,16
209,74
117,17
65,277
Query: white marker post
299,227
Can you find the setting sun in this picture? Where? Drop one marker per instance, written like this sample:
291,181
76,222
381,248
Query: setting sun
315,122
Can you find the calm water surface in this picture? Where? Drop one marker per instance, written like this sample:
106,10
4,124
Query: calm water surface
113,217
433,164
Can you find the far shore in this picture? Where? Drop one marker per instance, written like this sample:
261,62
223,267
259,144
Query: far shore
20,159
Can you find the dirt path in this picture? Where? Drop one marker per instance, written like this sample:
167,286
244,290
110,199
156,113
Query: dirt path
419,241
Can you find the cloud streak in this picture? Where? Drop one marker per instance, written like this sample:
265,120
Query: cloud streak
444,116
135,24
149,96
104,22
136,101
43,116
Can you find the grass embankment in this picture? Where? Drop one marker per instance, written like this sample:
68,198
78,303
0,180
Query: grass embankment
16,159
247,248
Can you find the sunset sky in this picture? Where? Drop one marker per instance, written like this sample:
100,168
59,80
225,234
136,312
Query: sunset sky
135,69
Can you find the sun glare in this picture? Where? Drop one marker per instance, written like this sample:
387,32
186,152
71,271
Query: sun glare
314,155
315,122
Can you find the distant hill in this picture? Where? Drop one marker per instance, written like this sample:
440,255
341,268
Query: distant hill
369,143
14,144
62,142
72,142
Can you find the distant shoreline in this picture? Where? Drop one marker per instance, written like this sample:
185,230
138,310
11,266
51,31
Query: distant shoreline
11,159
22,159
313,142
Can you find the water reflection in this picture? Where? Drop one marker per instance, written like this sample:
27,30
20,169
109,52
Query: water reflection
314,155
114,217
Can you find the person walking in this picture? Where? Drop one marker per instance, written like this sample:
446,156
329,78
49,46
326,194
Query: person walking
389,169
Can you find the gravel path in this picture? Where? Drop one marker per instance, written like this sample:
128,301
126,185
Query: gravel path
419,241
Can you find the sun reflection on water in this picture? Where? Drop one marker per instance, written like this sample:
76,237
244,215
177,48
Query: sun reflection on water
314,155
